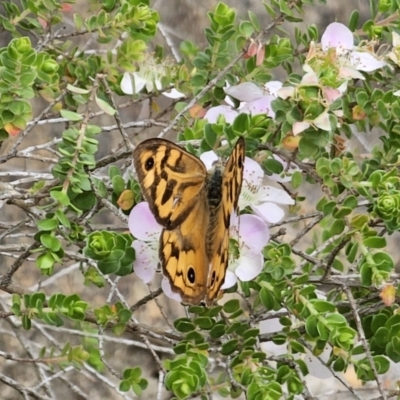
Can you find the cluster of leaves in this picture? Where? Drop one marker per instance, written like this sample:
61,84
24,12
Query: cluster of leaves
112,251
21,69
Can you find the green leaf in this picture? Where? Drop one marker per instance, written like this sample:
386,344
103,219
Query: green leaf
375,242
61,197
77,90
50,242
231,306
47,224
184,325
229,347
322,305
104,106
70,115
353,20
204,322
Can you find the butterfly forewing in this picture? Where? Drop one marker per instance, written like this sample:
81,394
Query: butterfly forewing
219,243
171,180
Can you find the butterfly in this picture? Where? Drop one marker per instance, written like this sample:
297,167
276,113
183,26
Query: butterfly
194,208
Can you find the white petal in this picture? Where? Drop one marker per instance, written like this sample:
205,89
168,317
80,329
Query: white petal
138,83
323,122
286,91
272,87
214,112
260,106
364,61
209,158
252,172
395,39
250,264
230,280
142,223
269,212
173,94
337,35
247,91
350,72
167,289
278,196
127,83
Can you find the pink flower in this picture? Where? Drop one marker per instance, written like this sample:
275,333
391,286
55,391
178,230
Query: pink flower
147,231
253,235
339,37
254,100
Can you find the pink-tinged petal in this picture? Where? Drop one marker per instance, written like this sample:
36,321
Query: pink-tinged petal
250,265
272,88
214,112
286,92
276,195
350,72
287,177
310,78
364,61
142,223
166,287
247,91
338,36
173,94
299,127
323,122
253,231
209,158
269,212
331,94
146,261
260,106
230,280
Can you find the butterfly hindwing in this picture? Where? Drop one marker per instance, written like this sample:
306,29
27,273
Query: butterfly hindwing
230,190
183,255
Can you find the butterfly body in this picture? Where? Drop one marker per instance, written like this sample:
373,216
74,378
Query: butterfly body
194,208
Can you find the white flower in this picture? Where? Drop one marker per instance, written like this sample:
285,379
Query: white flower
148,76
262,199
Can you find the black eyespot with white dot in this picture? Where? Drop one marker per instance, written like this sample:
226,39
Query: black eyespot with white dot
149,164
191,275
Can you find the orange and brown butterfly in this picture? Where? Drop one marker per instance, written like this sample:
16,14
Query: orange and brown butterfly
194,208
